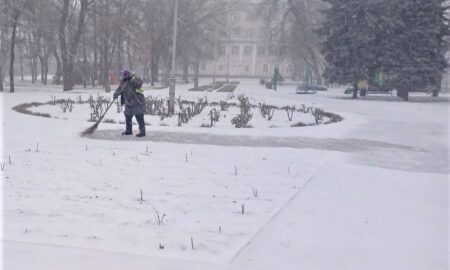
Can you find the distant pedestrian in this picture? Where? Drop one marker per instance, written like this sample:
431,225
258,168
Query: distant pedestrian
132,95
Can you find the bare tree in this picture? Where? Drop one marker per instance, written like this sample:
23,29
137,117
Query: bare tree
4,45
292,25
69,46
199,28
158,23
16,9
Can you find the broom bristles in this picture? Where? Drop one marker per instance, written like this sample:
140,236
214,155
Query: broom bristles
90,130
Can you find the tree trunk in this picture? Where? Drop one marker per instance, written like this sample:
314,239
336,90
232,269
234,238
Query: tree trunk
166,75
85,65
185,72
146,74
403,93
34,70
295,71
196,73
1,78
45,71
105,72
68,55
438,85
129,55
120,52
41,62
57,78
154,70
63,44
95,65
316,69
21,63
94,75
355,90
44,68
13,44
3,52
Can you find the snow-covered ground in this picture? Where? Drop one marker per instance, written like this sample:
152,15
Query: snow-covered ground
370,192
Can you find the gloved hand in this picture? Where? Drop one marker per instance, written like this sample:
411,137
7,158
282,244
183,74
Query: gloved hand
115,96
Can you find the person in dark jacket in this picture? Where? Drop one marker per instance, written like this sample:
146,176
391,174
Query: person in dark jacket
132,95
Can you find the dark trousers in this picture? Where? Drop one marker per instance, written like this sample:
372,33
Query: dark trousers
129,123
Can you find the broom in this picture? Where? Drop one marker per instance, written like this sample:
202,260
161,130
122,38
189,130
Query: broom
91,129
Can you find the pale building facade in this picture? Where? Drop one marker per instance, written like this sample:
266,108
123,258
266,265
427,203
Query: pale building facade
242,49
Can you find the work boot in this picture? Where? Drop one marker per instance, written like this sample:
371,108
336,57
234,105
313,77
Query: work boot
140,120
141,133
128,125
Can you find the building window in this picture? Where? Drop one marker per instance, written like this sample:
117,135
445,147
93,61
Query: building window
202,67
261,51
248,50
271,51
237,17
288,68
236,32
247,68
221,50
250,34
262,34
251,16
235,50
266,68
220,67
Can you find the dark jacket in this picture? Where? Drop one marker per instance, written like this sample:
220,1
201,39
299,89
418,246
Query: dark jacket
132,96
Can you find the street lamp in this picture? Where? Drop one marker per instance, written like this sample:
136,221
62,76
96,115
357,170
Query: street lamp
172,79
229,45
215,57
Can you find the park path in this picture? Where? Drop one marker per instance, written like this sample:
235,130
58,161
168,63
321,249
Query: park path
371,152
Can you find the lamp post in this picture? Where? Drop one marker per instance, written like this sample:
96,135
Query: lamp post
229,46
172,79
215,58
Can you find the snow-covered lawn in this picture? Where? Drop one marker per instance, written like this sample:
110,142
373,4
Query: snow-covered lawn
370,192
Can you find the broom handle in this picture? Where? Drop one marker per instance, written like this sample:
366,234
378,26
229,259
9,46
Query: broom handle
107,108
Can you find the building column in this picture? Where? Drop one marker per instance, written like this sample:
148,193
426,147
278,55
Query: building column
254,54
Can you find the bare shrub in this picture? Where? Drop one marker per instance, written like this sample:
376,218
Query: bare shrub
183,117
267,110
66,105
224,105
318,114
214,116
305,109
289,111
98,106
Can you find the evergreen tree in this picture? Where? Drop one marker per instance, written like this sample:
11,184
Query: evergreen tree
415,55
350,45
404,39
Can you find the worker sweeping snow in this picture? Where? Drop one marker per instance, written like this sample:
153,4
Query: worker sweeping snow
132,96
